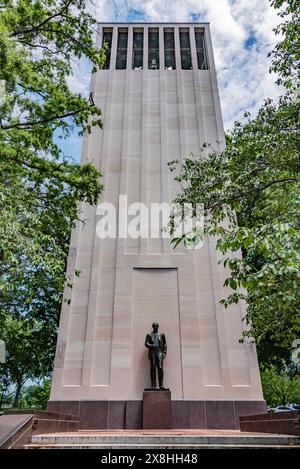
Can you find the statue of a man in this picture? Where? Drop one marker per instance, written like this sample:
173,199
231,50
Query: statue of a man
157,345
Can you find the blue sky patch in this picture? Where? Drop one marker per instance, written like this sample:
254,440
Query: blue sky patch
195,16
250,41
134,15
70,146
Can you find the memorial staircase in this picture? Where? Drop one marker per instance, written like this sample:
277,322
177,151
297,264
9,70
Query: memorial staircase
168,439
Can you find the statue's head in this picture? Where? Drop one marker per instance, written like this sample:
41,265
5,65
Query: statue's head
155,326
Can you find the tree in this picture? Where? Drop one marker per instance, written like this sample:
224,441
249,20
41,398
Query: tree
37,395
40,188
286,54
280,388
30,352
250,192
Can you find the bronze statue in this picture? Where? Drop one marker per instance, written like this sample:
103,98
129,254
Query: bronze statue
157,345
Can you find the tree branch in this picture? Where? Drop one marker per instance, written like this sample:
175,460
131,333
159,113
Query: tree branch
71,38
29,44
260,189
42,121
38,26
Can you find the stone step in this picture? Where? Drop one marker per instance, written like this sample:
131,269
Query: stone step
161,440
157,446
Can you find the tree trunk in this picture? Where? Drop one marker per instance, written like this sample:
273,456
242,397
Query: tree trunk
17,395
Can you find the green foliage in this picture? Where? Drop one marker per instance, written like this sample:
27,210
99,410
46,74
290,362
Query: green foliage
250,192
29,352
39,42
251,199
280,387
37,395
286,54
39,187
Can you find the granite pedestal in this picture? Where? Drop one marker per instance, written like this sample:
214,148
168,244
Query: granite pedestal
157,409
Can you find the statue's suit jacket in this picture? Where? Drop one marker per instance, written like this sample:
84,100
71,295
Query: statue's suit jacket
162,343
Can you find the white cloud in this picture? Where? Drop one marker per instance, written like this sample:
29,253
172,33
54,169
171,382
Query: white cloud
79,82
243,75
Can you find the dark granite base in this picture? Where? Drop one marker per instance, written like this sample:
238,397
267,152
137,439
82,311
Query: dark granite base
185,414
278,422
157,409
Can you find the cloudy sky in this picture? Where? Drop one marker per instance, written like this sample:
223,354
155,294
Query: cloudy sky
242,37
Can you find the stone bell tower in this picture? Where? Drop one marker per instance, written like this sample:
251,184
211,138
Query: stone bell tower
159,95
